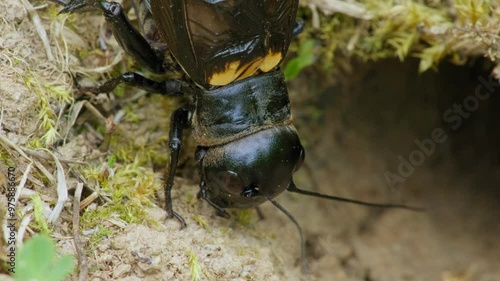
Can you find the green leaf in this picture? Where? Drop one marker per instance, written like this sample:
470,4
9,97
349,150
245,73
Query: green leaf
306,52
61,268
37,261
305,58
34,258
292,69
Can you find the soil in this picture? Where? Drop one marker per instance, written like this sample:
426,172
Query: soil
356,126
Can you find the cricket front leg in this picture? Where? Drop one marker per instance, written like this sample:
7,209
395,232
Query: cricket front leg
129,38
178,123
169,87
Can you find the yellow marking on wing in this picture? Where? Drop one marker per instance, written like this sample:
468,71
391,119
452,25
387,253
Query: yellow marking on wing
228,75
251,68
234,71
271,60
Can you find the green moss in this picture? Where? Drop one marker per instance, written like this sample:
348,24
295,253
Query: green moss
39,223
5,157
82,53
244,216
473,11
196,269
194,266
432,32
128,190
35,143
140,152
49,94
201,222
52,11
101,233
131,115
111,161
150,146
190,201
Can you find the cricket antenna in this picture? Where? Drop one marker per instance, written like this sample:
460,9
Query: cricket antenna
293,188
302,242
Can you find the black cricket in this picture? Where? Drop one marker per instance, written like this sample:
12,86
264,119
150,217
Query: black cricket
248,148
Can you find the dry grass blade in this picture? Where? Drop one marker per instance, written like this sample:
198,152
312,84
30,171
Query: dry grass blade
39,28
43,155
44,171
89,199
62,190
73,115
22,183
7,142
353,9
103,69
22,229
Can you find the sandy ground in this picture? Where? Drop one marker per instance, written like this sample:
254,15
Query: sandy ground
354,126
